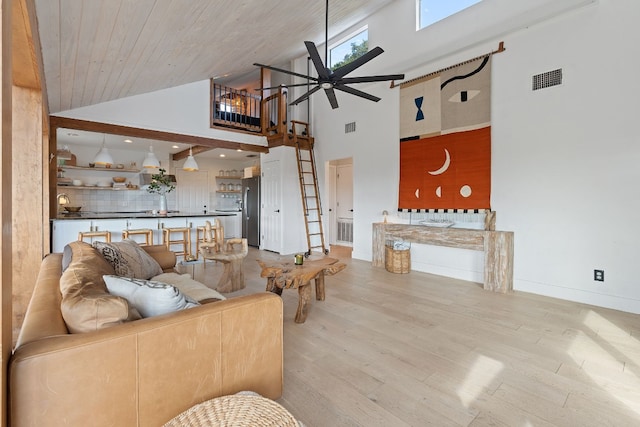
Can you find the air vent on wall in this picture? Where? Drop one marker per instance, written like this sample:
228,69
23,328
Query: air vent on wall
350,127
548,79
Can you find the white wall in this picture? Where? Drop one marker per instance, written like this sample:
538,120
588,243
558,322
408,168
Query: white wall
564,159
183,109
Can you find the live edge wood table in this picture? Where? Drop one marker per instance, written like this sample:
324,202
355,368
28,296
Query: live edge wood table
281,275
496,245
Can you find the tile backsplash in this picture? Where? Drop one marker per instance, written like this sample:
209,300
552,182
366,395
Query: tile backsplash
116,200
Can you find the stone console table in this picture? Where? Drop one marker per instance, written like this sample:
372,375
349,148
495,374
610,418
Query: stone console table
496,245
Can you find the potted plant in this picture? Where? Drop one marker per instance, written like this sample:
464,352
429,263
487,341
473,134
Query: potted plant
161,184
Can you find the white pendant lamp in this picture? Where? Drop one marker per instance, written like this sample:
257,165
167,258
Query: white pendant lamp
103,157
190,164
151,161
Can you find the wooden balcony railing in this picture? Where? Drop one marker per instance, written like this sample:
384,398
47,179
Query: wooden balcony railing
240,110
236,109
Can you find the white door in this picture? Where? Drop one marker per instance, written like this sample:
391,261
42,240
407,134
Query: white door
330,220
192,191
344,204
271,229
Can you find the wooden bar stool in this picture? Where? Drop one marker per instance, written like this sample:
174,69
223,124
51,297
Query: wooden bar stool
90,234
146,232
202,237
185,241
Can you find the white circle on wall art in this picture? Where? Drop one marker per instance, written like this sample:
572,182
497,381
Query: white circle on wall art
465,191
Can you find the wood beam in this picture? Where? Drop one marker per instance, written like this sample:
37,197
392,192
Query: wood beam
86,125
185,153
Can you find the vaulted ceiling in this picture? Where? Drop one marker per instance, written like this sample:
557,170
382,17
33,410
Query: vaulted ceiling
100,50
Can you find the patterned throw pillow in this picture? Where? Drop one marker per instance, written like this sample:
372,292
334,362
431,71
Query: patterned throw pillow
150,298
129,259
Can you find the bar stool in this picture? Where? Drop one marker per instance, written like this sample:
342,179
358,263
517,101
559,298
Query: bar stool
185,241
208,234
91,234
146,232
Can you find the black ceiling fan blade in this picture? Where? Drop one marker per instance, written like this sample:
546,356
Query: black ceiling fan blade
283,86
357,92
368,79
317,61
347,68
331,95
306,95
286,71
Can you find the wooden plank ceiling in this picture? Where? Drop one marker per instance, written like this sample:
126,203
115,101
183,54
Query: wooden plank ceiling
100,50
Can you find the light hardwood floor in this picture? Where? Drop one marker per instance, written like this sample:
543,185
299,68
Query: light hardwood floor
417,349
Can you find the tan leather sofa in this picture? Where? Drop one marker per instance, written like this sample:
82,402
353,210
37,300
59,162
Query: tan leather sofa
140,373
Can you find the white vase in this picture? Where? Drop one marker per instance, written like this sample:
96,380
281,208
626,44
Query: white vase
163,204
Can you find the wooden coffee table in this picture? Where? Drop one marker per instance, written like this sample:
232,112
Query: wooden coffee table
281,275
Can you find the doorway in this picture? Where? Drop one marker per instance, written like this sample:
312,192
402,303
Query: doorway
340,198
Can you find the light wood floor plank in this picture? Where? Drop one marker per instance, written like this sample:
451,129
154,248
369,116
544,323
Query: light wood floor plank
418,349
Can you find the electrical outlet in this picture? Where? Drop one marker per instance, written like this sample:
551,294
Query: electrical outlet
598,275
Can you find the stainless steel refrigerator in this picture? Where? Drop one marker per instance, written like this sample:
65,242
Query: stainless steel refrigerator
251,210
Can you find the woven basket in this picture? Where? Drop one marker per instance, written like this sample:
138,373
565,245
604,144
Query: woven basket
235,410
397,260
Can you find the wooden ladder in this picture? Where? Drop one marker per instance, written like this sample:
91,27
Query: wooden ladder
309,188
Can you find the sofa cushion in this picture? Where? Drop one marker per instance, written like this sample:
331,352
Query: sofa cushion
129,259
192,288
86,303
149,297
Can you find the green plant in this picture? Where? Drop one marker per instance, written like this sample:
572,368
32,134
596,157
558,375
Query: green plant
160,183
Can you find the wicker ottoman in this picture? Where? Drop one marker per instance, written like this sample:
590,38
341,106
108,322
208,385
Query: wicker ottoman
235,410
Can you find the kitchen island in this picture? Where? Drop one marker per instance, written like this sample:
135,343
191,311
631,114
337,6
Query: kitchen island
66,226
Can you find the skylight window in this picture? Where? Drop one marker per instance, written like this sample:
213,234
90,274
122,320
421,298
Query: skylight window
431,11
349,49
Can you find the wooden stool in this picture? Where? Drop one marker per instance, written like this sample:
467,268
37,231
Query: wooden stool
105,234
209,235
147,232
185,241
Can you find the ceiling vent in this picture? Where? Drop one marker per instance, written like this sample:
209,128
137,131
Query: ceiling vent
548,79
350,127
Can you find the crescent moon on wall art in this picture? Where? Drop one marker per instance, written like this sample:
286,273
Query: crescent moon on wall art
445,166
417,193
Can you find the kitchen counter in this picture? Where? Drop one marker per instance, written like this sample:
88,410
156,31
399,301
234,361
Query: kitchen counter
139,214
67,226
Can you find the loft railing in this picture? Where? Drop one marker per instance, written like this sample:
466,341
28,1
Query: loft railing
274,114
234,108
238,109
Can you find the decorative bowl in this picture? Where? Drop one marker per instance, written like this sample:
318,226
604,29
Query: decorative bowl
119,179
72,208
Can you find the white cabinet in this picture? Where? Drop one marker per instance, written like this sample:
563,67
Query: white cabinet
66,230
233,226
143,223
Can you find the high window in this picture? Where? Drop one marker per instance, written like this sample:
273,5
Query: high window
430,11
348,50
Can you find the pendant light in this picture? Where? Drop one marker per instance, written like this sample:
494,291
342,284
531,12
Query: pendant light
151,161
190,164
103,157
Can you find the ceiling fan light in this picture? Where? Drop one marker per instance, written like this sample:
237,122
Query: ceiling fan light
103,157
190,164
151,161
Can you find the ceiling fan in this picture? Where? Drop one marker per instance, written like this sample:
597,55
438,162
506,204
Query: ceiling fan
334,80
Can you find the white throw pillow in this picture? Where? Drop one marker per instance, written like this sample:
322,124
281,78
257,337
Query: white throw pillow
192,288
149,297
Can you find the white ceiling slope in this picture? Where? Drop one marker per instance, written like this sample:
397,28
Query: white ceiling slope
100,50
